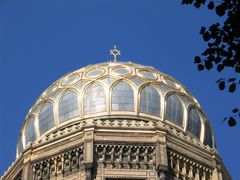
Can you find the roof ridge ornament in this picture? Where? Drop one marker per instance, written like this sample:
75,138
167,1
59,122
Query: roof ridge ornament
115,52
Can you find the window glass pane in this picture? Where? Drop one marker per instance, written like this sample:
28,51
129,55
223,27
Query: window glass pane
150,101
37,107
121,71
194,123
163,88
69,80
185,99
95,73
80,84
171,83
136,80
56,94
208,135
147,74
174,111
94,99
46,118
108,80
122,97
30,134
20,145
68,106
50,90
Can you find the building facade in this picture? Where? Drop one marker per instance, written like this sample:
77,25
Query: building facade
116,121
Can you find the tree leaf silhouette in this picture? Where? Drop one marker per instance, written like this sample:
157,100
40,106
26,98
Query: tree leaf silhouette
221,85
220,10
231,79
235,110
223,42
200,67
232,87
197,59
208,64
210,5
220,67
231,122
203,29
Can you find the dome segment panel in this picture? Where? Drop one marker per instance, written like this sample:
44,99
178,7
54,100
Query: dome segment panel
121,71
194,123
46,118
185,99
164,89
136,80
122,97
108,80
95,73
51,89
171,83
174,110
68,106
70,79
37,107
30,134
208,137
147,74
19,145
56,94
150,101
94,99
80,84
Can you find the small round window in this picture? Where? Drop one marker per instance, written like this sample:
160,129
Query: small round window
171,83
70,79
148,75
95,73
121,71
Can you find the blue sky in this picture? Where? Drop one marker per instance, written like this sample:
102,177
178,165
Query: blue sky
42,40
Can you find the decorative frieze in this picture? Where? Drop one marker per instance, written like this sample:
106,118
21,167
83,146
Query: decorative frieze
60,165
121,156
184,168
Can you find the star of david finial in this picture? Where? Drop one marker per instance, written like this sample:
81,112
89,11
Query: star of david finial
115,52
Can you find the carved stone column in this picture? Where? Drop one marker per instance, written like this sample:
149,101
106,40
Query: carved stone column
88,152
184,170
217,174
161,155
27,172
203,175
190,171
197,175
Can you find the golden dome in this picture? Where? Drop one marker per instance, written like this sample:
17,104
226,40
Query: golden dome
115,89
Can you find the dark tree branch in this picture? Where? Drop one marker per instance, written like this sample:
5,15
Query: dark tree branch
223,45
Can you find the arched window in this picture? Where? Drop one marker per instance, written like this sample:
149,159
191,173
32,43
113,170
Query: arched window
174,110
68,106
30,134
122,97
20,145
94,99
46,118
150,101
208,135
194,122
